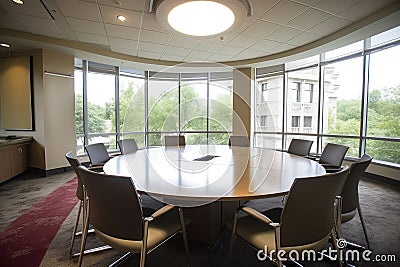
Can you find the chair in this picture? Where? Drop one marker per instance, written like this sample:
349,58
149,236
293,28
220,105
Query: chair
74,162
305,222
300,147
350,202
174,140
97,153
332,157
127,146
239,140
115,212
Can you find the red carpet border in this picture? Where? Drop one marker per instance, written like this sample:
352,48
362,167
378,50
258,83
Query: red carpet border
25,241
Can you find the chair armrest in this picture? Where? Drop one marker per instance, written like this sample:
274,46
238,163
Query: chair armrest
331,168
96,168
312,157
259,216
162,211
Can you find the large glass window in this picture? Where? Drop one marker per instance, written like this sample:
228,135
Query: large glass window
384,104
79,125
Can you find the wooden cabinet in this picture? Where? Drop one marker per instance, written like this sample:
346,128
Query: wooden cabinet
13,161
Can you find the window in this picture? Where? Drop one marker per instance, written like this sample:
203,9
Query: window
297,91
295,121
307,121
264,92
263,120
308,92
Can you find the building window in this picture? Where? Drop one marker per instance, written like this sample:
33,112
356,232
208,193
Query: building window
296,121
264,92
307,121
297,91
308,92
263,120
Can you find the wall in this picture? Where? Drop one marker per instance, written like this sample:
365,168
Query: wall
54,111
59,108
243,80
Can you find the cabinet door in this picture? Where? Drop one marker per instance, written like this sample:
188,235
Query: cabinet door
18,160
5,165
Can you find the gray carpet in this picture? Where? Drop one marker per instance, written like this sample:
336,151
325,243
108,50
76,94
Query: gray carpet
380,204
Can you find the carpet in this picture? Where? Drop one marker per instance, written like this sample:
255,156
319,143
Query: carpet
25,241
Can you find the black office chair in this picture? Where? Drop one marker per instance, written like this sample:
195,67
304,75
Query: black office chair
114,210
332,157
97,153
300,147
127,146
350,202
174,140
74,162
306,221
239,140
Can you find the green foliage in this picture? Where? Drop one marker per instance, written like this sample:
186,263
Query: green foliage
96,118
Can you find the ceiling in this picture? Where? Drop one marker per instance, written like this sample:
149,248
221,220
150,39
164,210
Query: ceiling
275,26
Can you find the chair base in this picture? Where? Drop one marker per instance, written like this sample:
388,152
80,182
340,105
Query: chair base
93,250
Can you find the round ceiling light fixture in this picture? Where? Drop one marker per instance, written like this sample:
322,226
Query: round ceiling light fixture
201,18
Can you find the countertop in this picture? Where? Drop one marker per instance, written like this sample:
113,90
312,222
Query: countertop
14,140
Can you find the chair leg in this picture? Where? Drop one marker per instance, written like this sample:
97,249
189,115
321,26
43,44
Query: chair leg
335,246
363,225
84,231
75,227
233,236
184,236
143,250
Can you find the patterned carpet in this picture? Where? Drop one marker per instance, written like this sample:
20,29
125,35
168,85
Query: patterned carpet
380,204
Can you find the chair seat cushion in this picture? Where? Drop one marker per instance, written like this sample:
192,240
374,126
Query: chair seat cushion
160,230
258,234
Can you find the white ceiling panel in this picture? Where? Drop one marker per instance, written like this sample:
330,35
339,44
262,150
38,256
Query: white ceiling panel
122,32
265,45
150,47
219,58
230,50
136,5
260,28
249,53
109,15
123,43
32,8
283,34
92,38
244,41
123,50
330,26
177,51
172,57
198,54
308,2
309,19
335,7
184,42
40,26
155,37
304,38
261,6
209,46
281,48
150,22
9,22
284,11
362,9
79,9
87,26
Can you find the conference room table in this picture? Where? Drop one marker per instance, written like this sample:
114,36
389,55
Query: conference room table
210,180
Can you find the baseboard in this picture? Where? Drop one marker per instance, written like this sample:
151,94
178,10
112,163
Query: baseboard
382,179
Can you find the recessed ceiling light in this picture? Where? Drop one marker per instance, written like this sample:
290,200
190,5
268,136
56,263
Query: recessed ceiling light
19,2
121,18
200,18
5,45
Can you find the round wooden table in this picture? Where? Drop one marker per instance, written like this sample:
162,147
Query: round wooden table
201,174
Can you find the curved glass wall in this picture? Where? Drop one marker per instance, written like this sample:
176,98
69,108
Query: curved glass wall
349,96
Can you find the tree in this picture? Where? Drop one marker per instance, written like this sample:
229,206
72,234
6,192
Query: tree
96,118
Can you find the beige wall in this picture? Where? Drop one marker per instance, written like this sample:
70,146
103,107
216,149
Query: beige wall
59,108
243,80
54,111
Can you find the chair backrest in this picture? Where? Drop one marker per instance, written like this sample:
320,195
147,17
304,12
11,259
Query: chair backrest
333,154
97,153
127,146
239,140
74,162
349,194
174,140
308,213
114,206
300,147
